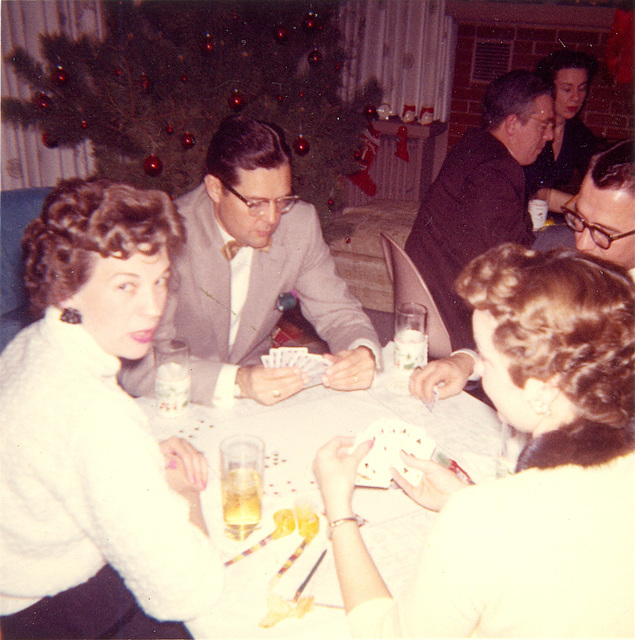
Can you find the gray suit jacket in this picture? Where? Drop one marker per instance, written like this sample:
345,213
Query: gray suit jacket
198,309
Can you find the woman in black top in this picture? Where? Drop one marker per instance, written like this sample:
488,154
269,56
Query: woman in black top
570,73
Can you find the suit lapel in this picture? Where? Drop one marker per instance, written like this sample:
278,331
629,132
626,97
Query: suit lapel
212,273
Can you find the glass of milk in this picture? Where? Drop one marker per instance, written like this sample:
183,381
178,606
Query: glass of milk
411,339
172,377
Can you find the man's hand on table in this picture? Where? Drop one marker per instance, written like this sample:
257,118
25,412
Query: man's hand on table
269,385
448,375
351,370
436,486
335,468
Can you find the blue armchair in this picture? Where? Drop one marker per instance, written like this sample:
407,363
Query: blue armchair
17,208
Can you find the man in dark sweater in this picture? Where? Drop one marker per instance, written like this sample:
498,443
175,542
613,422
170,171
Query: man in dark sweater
477,200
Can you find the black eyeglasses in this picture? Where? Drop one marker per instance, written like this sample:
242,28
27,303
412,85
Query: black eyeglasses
602,238
258,207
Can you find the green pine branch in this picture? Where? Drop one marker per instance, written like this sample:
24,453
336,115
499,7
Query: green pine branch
167,69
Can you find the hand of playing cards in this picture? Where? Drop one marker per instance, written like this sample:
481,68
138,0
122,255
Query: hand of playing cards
391,436
311,364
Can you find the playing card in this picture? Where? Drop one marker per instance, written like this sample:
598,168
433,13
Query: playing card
266,360
391,435
313,365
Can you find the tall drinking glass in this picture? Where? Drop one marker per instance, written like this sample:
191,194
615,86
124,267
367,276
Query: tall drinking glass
172,377
242,463
411,340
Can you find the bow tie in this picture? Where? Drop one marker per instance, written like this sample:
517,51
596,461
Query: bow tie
231,248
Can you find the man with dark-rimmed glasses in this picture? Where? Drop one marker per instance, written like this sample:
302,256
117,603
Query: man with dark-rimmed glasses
249,240
603,212
602,216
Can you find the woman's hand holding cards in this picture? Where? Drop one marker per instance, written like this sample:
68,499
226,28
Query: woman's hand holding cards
436,486
335,468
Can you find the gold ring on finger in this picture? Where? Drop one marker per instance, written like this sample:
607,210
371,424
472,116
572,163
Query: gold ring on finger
275,393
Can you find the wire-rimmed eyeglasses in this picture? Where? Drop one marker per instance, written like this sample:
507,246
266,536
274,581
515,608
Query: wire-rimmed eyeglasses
602,238
258,207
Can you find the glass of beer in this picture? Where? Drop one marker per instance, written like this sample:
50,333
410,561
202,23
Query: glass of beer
242,463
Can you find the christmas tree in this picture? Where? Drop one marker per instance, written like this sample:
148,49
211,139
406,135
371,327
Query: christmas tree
150,95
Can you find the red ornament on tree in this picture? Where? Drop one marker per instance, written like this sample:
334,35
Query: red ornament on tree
310,22
236,101
331,203
370,111
280,33
84,124
184,78
60,77
153,166
42,102
207,44
187,140
301,145
169,129
314,58
49,140
145,83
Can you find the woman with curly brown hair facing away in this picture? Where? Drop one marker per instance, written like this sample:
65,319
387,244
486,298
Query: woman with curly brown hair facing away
102,533
547,551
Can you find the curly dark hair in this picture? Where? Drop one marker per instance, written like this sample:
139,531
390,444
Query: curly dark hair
565,315
81,218
549,66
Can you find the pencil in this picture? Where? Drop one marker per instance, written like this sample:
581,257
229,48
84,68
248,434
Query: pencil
302,587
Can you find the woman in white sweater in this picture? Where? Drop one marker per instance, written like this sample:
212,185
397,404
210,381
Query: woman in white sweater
547,551
102,533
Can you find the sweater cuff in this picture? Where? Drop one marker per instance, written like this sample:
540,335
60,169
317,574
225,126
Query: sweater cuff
470,352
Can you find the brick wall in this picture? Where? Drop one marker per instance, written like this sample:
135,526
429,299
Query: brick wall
609,109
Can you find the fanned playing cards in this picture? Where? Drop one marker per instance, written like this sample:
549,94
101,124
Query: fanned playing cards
392,435
299,357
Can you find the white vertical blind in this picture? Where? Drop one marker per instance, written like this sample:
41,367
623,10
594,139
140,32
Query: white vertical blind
408,46
26,162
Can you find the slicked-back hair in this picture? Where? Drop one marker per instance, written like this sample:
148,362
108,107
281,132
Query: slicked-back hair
614,168
245,143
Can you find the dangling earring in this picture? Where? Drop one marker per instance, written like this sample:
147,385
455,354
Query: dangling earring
71,316
540,408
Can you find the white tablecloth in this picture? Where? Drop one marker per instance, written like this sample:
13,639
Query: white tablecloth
293,430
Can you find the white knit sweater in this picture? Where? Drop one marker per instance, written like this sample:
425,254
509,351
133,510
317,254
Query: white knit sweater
82,483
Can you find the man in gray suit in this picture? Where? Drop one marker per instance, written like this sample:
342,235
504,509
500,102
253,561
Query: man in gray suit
249,239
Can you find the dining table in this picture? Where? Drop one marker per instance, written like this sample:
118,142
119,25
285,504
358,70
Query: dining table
394,528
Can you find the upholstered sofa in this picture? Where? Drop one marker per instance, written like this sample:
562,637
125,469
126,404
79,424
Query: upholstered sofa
17,208
357,251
